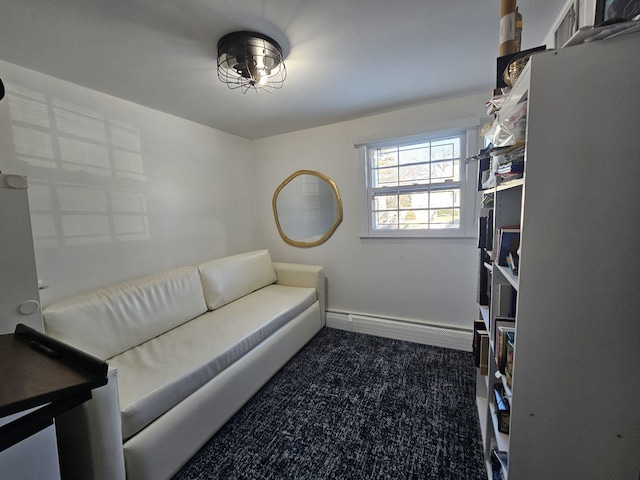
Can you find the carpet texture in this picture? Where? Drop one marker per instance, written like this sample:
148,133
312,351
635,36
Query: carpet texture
354,406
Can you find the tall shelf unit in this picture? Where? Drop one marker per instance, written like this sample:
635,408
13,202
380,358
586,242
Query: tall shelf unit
575,396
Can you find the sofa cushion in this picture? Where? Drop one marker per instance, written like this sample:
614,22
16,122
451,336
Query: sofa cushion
227,279
110,320
158,374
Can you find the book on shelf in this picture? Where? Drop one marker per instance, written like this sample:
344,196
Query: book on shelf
503,408
510,339
478,326
508,241
507,297
499,464
483,296
511,168
485,231
487,201
502,457
503,326
481,346
513,260
484,353
505,177
484,165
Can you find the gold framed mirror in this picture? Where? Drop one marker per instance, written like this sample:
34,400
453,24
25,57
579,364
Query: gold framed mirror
307,208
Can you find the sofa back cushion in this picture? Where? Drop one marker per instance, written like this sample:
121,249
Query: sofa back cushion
111,320
226,279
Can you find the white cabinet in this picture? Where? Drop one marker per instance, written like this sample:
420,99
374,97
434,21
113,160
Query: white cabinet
575,404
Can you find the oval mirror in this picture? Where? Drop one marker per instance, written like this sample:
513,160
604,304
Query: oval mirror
307,208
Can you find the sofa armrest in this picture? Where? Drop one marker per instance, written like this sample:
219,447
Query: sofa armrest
298,275
90,436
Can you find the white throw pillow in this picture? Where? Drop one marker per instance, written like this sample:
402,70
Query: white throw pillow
227,279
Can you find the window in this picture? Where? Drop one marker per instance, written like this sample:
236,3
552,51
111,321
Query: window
416,187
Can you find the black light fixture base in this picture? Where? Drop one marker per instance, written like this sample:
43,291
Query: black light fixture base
250,61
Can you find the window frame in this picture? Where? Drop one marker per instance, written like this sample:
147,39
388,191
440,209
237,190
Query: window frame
466,185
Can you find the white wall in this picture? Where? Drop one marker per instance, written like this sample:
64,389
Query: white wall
118,190
432,280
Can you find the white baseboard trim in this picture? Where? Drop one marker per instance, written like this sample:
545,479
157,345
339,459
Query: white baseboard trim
439,336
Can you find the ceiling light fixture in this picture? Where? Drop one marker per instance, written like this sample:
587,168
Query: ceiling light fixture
249,60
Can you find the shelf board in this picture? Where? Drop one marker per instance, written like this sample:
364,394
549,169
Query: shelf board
518,182
481,403
508,274
484,311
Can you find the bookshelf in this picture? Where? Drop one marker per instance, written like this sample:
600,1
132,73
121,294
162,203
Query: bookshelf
575,396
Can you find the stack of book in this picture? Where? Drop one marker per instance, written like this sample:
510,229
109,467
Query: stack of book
510,170
511,163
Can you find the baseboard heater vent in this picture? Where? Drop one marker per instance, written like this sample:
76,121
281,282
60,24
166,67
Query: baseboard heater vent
458,339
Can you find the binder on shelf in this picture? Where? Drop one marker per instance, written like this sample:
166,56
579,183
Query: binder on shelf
485,231
484,353
482,232
481,346
484,281
478,326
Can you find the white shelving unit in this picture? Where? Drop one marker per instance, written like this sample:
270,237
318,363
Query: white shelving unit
575,398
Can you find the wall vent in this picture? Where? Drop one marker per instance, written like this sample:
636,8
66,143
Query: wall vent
438,336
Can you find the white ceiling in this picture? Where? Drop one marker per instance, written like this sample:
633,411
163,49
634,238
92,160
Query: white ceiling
345,58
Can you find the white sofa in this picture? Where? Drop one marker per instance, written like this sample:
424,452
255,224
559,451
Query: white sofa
186,349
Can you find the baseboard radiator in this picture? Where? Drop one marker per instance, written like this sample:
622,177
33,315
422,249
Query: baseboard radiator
440,336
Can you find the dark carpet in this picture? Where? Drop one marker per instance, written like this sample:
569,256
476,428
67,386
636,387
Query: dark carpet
354,406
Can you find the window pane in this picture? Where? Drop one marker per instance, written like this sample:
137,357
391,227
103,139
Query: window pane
417,210
418,171
385,157
445,148
414,219
415,200
445,218
414,174
445,198
386,202
385,177
414,154
386,220
446,170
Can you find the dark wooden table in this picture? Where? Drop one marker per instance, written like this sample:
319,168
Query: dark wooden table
38,371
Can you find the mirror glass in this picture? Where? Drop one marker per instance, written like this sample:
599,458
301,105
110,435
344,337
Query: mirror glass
307,208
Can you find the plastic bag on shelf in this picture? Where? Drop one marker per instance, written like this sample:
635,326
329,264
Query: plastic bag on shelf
512,128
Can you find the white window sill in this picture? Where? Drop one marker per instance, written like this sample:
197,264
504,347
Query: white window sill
415,236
